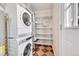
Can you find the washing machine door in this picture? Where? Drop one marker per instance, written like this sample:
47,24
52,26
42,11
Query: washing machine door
26,19
27,50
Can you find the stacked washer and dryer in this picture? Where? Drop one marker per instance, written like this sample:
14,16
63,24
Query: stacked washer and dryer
19,30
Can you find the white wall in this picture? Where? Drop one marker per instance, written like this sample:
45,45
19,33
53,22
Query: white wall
41,6
11,10
56,29
2,27
70,42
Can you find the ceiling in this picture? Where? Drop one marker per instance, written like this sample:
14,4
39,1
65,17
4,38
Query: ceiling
41,6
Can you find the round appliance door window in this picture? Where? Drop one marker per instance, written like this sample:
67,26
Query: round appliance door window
26,19
27,50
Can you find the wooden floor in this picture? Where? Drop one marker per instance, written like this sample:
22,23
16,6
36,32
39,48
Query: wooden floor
42,50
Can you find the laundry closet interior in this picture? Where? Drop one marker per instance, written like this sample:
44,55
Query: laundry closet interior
26,29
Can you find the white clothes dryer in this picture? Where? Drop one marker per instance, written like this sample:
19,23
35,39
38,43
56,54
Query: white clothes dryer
24,21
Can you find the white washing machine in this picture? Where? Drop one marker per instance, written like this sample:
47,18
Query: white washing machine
20,46
25,46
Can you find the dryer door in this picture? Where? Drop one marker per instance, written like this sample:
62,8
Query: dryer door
26,19
27,50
